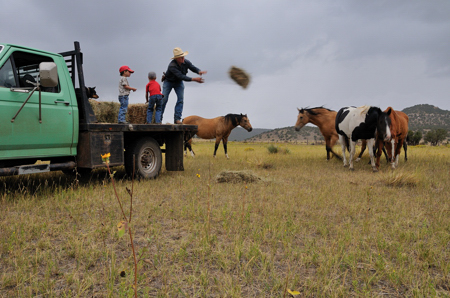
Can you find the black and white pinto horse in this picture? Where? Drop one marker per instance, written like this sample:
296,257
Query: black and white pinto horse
362,123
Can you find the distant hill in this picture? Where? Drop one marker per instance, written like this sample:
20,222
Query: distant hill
422,117
307,134
240,134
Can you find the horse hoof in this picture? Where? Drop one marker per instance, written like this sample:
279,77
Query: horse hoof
375,170
345,166
352,169
358,159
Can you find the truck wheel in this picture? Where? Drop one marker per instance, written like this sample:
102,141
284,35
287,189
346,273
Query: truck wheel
147,159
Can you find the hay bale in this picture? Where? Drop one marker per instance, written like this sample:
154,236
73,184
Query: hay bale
108,112
105,111
236,177
239,75
137,113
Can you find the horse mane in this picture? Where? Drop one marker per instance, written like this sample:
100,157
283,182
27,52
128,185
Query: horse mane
365,109
234,118
312,112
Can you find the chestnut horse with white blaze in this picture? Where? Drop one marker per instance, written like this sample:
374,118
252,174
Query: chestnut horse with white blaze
325,120
399,132
218,128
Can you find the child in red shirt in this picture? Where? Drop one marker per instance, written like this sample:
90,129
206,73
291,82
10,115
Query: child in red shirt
154,98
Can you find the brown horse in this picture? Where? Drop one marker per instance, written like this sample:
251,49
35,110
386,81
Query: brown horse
399,132
325,120
218,128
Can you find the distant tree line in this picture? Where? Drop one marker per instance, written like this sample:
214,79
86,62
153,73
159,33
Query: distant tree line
414,137
434,137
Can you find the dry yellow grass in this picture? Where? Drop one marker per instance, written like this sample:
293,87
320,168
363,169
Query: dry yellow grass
310,225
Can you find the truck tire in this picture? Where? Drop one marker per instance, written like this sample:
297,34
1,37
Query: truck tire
147,159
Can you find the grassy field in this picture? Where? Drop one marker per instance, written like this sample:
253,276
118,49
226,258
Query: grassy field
307,225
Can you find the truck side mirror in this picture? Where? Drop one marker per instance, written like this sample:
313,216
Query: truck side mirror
48,74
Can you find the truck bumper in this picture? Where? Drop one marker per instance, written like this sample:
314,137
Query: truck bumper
36,168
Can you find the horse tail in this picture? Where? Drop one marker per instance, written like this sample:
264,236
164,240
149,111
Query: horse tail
334,153
405,147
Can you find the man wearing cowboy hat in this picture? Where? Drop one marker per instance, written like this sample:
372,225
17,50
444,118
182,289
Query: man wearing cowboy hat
174,77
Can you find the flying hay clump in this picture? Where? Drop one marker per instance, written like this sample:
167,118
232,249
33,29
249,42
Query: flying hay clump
239,75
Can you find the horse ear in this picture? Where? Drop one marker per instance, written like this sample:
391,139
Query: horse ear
298,110
389,111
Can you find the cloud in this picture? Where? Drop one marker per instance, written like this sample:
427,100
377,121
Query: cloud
299,53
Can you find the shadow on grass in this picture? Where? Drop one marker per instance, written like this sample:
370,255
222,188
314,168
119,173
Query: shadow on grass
42,184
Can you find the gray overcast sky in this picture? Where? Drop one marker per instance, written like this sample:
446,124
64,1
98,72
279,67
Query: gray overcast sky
299,53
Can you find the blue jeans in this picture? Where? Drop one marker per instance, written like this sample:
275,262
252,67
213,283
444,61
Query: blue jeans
123,99
179,90
152,101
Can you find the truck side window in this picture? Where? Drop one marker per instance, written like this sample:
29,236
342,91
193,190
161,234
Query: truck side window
7,75
25,67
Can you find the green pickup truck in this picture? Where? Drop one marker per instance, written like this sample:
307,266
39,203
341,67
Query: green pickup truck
43,118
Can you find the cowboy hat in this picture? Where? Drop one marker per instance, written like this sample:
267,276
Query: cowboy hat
178,53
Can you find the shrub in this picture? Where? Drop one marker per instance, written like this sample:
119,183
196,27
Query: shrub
272,149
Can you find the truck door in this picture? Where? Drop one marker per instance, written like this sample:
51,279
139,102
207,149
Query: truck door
26,136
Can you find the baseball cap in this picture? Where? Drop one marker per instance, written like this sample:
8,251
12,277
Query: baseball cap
125,67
